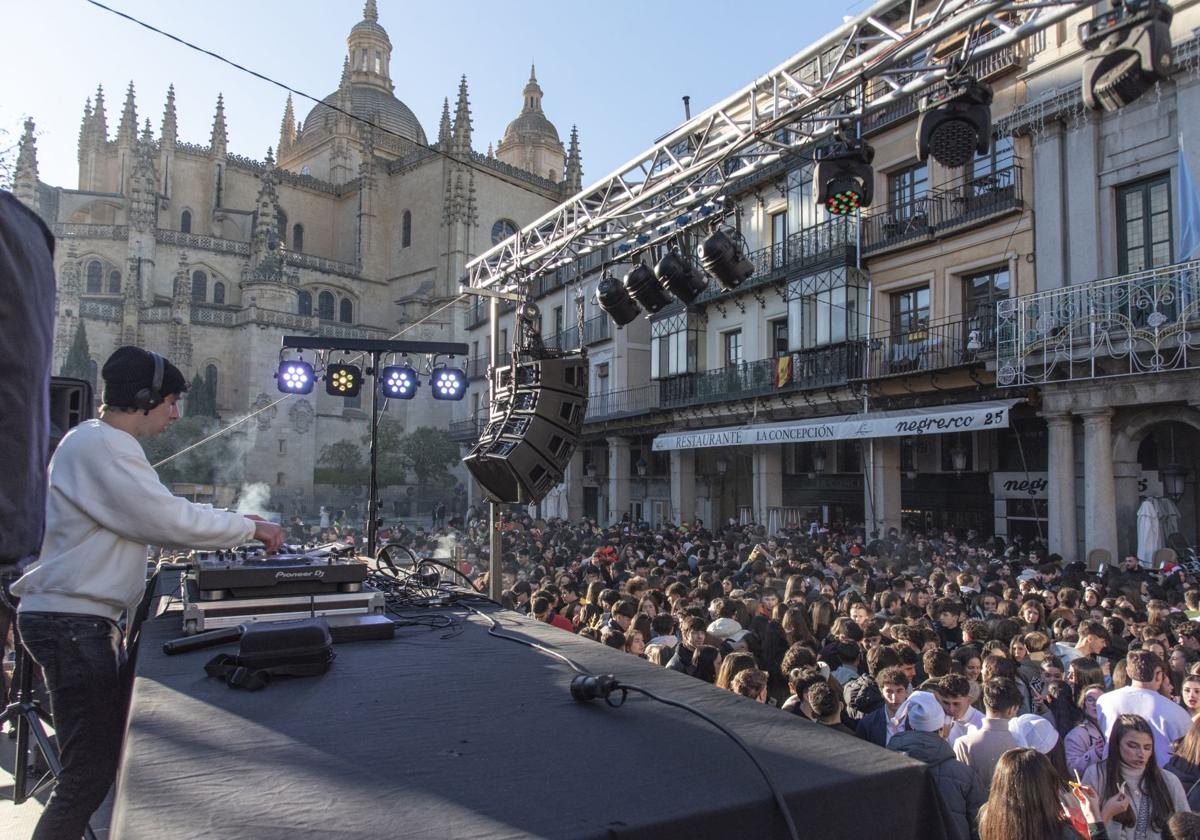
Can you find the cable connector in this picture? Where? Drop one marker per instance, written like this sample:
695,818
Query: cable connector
586,688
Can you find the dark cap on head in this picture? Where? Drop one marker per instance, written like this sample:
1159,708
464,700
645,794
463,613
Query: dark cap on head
129,370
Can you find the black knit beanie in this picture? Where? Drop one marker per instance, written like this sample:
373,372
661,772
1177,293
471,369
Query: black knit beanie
129,370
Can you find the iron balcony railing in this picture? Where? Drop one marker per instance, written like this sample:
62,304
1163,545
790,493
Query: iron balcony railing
949,207
597,329
467,431
931,347
832,239
477,366
1144,322
628,402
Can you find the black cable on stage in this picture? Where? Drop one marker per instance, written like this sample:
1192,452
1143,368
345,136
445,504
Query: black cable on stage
606,685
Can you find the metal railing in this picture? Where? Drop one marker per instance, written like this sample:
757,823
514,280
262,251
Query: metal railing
1144,322
627,402
467,431
932,347
954,205
597,329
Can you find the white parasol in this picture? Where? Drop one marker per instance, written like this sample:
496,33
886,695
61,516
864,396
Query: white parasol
1150,537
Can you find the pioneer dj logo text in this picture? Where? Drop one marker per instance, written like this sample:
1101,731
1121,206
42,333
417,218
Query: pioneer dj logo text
307,574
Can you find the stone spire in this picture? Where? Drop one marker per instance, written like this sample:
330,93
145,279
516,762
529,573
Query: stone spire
287,129
218,141
127,130
85,126
143,184
169,132
265,240
179,336
371,11
533,92
25,177
99,118
443,141
462,121
344,100
573,176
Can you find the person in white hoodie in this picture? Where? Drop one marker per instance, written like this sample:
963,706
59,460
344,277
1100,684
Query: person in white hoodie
104,505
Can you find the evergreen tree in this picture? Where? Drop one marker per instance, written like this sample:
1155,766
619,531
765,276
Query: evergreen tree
78,364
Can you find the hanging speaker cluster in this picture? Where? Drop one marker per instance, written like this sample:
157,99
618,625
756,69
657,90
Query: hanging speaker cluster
534,424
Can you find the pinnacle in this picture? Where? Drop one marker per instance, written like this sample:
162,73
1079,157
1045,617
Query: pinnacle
371,11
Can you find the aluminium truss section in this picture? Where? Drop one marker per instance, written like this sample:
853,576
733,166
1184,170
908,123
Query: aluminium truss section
791,108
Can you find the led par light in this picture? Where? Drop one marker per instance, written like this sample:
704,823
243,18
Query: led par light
448,383
398,382
955,123
1129,50
343,380
295,377
843,180
615,301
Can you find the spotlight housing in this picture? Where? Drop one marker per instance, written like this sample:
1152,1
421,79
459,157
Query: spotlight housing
644,287
295,377
1130,50
615,301
447,383
843,179
679,277
722,257
955,122
343,380
398,382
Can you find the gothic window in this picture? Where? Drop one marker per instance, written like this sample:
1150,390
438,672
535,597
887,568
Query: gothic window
114,282
406,229
346,315
298,238
503,229
305,303
218,292
283,222
210,381
199,286
185,221
95,278
325,306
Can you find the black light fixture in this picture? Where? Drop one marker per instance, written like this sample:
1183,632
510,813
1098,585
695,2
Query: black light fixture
447,383
955,122
1129,50
615,301
343,380
843,180
722,257
644,287
295,377
398,382
679,277
958,457
722,466
641,466
1174,475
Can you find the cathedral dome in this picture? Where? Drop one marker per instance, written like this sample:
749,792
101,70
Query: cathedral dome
530,127
376,106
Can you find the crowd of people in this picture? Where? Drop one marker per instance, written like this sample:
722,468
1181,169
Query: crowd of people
1048,700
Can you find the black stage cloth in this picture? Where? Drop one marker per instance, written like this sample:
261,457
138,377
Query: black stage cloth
476,737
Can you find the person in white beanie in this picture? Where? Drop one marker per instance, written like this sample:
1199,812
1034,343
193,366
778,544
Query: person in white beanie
923,724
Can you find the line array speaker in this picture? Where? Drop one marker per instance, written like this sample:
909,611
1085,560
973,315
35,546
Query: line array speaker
534,423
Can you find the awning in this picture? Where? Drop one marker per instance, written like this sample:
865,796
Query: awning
912,422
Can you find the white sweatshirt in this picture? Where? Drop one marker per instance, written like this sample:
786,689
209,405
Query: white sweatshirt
105,504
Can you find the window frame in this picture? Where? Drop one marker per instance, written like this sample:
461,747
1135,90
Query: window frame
733,351
908,333
1145,187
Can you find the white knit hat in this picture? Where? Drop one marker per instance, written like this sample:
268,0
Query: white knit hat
1033,731
922,711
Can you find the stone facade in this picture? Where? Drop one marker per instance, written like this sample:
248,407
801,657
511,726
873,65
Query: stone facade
359,229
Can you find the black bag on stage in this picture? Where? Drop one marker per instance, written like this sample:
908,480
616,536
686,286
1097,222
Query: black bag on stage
269,649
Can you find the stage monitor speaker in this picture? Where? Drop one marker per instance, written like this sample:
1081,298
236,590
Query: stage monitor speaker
70,405
533,429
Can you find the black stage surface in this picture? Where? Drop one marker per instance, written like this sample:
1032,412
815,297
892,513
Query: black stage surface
477,737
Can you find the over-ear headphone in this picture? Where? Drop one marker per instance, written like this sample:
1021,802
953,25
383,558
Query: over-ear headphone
150,398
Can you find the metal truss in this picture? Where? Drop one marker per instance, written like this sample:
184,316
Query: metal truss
680,180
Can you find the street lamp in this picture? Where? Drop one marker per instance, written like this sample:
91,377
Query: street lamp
722,467
958,457
641,467
1174,474
818,464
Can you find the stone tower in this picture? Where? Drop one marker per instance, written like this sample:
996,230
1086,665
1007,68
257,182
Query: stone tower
531,141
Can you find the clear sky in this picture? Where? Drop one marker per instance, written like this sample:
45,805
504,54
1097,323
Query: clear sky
617,69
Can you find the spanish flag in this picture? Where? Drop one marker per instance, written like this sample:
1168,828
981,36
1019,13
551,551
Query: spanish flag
783,371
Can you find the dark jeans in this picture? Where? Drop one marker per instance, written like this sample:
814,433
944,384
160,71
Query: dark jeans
81,658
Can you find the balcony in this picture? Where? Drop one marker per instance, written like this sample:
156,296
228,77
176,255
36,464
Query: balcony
1140,323
821,367
939,346
630,402
831,240
951,207
597,329
477,366
467,431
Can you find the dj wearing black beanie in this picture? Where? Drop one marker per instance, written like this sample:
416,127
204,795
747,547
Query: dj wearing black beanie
104,505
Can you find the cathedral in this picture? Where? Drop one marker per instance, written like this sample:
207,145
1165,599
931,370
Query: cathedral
356,225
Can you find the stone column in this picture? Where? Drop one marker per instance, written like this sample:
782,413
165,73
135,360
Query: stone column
1099,491
881,492
1060,495
618,478
683,485
574,484
768,480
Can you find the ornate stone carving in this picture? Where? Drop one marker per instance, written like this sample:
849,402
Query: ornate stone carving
266,411
301,415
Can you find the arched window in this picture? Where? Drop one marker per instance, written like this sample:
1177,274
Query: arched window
305,303
210,382
185,221
298,238
346,315
199,286
283,222
95,278
325,306
406,229
218,292
114,282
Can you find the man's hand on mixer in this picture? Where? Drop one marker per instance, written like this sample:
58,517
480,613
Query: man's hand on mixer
267,533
